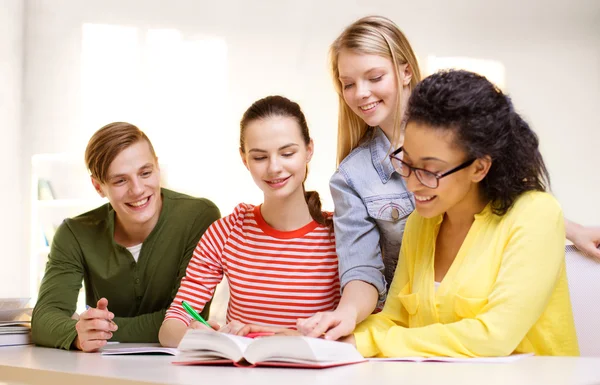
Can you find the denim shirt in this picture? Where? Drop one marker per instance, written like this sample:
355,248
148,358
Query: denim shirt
371,207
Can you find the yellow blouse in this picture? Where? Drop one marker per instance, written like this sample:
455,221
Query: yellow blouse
506,292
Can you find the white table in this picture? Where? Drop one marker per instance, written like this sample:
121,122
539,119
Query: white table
35,365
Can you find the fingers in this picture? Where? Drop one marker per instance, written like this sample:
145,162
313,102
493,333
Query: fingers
92,313
339,331
318,324
100,324
593,251
306,325
214,324
198,325
232,328
252,328
93,334
94,327
90,346
331,325
102,304
327,322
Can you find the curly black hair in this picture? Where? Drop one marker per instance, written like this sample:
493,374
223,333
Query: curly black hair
485,123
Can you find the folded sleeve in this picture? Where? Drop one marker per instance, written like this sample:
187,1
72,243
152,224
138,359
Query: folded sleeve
357,237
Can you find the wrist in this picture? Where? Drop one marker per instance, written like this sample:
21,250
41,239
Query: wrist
572,229
76,345
348,312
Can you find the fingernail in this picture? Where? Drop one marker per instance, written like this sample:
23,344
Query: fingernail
111,315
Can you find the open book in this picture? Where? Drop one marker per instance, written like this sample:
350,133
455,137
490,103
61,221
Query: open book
202,347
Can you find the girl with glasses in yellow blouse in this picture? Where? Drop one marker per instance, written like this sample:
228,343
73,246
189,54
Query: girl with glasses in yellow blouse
481,269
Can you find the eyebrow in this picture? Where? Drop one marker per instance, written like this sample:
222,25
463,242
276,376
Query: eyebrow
147,165
342,77
279,149
427,158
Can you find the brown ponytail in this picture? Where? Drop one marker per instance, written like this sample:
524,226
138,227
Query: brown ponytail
314,208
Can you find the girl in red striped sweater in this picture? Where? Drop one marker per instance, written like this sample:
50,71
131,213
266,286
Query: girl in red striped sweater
279,257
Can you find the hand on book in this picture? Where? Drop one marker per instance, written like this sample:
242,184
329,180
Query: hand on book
232,328
94,327
251,328
331,324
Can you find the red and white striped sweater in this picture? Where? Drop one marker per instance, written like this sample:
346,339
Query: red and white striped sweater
274,277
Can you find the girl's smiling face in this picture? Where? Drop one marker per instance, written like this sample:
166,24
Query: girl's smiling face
276,156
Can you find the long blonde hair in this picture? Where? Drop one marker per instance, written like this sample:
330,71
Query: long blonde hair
371,35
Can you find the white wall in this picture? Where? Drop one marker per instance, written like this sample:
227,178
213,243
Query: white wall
550,51
14,257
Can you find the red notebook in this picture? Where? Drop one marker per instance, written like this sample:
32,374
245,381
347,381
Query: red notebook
205,347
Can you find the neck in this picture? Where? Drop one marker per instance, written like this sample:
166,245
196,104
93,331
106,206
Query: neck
288,214
462,215
131,234
388,127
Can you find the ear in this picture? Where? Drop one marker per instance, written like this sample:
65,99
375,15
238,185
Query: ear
97,186
482,167
408,74
310,148
243,156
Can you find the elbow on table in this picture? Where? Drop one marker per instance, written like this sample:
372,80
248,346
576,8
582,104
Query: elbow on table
171,332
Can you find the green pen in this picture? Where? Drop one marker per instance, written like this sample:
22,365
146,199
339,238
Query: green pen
194,313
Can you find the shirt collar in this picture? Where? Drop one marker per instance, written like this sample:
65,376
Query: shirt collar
380,148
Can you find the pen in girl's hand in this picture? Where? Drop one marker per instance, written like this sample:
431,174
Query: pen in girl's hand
190,310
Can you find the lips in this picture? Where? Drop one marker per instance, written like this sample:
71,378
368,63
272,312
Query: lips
369,107
424,199
277,182
140,203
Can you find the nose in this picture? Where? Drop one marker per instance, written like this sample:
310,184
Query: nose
136,186
363,90
274,165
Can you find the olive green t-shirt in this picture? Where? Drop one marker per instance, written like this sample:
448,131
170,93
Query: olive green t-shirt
138,293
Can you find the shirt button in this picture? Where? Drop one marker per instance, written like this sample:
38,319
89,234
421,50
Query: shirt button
139,297
137,281
395,214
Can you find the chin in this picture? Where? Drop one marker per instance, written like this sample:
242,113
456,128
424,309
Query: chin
428,213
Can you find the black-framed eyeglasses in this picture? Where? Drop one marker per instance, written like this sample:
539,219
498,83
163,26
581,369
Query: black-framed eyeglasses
427,178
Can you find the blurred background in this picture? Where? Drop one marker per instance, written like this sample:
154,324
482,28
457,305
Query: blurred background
184,71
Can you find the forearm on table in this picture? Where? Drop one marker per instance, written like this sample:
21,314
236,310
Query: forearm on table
571,229
171,332
359,298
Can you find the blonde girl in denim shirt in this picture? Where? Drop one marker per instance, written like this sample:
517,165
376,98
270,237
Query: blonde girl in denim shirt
374,70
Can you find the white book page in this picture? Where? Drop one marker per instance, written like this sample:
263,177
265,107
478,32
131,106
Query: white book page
130,348
300,350
215,343
486,360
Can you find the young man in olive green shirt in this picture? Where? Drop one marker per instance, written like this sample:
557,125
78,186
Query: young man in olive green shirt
131,253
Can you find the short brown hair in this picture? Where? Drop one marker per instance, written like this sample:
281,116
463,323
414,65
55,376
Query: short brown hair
107,143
